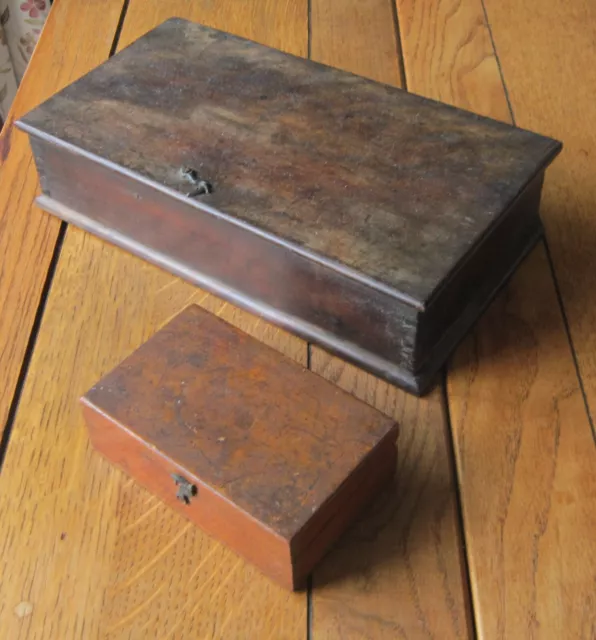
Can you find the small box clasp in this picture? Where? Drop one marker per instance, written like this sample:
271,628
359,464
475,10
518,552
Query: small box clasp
201,187
186,490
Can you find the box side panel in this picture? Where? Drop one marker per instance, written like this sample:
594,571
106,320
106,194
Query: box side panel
470,289
344,316
343,509
209,511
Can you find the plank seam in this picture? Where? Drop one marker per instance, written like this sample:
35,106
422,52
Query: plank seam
458,504
494,48
45,293
559,297
398,46
549,257
119,26
309,29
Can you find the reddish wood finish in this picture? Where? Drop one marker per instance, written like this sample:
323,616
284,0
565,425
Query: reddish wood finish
281,459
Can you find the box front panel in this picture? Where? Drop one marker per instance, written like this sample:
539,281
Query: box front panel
343,315
211,513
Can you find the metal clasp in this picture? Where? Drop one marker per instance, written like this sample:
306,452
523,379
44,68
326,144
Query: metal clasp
186,490
201,187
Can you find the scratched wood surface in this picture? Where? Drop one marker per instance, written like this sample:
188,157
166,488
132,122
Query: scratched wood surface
85,553
398,574
27,235
522,440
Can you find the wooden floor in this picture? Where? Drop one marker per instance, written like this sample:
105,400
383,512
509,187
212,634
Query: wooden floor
490,529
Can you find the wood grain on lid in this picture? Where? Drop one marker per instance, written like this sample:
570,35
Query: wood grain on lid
362,175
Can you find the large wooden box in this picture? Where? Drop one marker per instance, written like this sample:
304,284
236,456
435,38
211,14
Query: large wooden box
368,220
259,452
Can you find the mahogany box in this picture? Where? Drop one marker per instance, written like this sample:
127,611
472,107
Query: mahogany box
256,450
371,221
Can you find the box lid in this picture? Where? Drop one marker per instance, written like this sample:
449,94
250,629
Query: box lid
269,436
388,187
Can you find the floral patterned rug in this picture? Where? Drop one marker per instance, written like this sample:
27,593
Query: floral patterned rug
21,22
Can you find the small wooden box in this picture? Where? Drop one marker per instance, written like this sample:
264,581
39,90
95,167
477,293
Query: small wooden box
259,452
373,222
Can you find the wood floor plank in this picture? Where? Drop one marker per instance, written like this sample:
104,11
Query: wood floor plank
527,464
448,55
399,573
84,552
547,54
522,439
74,40
357,36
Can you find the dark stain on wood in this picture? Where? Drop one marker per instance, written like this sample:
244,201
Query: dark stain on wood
362,181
